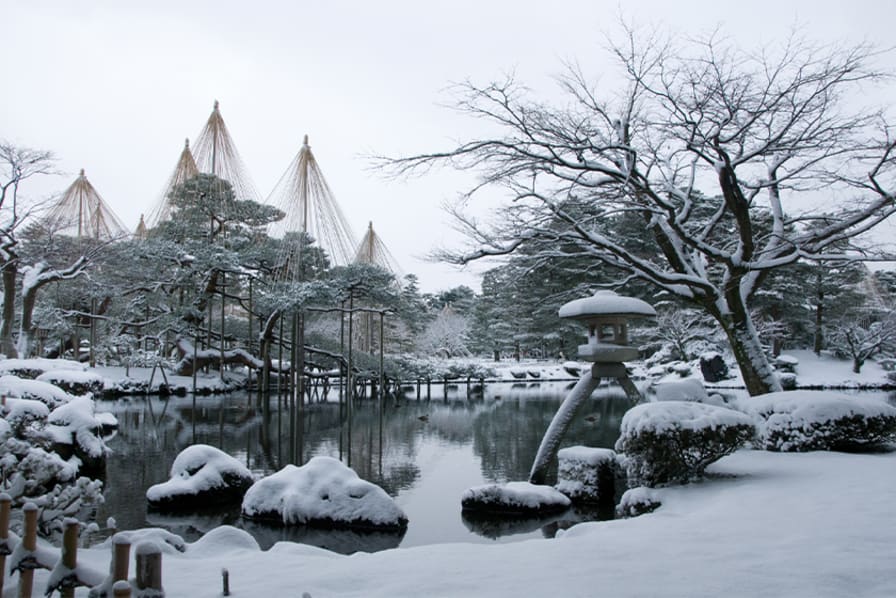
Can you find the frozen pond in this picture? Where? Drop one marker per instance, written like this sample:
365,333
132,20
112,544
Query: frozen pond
424,453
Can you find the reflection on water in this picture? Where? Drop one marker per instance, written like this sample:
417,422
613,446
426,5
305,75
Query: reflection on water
424,453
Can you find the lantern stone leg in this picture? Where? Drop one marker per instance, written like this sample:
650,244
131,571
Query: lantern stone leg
606,316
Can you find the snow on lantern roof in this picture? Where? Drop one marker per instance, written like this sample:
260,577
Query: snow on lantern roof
605,303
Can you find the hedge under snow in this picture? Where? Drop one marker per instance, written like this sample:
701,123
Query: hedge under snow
805,420
321,492
674,441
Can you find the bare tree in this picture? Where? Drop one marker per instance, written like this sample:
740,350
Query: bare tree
705,144
863,338
17,164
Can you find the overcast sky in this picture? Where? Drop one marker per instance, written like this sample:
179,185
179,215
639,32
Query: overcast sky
115,87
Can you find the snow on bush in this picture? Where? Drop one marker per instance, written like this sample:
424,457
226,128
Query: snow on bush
201,475
638,501
587,474
32,368
514,498
75,382
22,413
805,420
321,492
673,441
689,389
76,424
50,395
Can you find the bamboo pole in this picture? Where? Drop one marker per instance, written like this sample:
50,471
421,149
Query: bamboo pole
121,553
121,589
69,554
29,543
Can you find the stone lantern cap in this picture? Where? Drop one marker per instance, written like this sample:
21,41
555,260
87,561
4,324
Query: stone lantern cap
606,303
606,316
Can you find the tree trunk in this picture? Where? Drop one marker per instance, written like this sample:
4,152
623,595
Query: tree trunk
857,364
7,347
819,315
29,298
759,378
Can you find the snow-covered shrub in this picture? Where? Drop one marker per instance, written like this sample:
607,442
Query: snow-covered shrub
805,420
21,414
786,363
514,498
674,441
49,394
32,368
689,389
587,474
321,492
75,382
76,424
638,501
787,380
201,475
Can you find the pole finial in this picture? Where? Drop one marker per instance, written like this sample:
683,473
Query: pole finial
216,104
305,141
82,172
187,143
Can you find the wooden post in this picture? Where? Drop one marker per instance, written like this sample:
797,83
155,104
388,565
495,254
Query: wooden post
121,553
69,553
5,502
121,589
149,569
29,543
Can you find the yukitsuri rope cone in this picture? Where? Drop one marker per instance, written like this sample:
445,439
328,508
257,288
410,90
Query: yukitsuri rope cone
311,208
183,171
372,250
81,212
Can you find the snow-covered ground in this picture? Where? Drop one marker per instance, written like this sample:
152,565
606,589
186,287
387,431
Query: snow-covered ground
808,525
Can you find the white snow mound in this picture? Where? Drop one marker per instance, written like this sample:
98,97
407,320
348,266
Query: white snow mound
678,415
196,469
514,496
322,491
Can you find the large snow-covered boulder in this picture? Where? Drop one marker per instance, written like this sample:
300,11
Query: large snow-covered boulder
322,492
49,394
201,476
673,441
514,498
805,420
75,382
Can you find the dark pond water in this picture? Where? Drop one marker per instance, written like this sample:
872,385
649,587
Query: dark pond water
424,453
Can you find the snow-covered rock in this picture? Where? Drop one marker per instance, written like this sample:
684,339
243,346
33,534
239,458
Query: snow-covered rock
805,420
587,474
674,441
638,501
75,382
321,492
201,475
689,389
514,498
50,395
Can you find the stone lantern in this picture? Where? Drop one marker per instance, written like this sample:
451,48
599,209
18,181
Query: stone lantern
606,315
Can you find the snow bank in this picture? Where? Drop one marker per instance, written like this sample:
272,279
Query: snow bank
50,395
201,475
514,498
805,420
321,492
